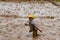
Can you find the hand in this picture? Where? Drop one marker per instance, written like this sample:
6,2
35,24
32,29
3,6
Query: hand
25,24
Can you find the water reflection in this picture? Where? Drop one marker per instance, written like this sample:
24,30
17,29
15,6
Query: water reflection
35,38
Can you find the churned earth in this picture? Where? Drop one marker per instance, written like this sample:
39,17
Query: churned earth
12,25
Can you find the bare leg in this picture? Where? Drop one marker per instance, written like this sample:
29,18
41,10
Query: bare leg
31,29
34,33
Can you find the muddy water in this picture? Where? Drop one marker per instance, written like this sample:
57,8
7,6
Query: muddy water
14,28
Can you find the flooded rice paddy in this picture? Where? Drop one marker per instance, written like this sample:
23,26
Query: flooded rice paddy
14,29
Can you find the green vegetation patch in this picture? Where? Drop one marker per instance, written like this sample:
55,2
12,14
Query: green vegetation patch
57,0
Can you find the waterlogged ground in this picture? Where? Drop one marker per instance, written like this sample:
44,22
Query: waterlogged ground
13,28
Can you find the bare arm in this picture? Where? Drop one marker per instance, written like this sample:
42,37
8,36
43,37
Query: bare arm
27,23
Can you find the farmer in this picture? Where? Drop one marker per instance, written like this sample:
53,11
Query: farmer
33,28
